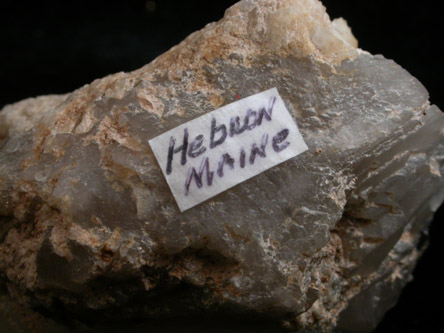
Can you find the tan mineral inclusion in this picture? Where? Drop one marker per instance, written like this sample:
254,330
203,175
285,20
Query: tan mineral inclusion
324,241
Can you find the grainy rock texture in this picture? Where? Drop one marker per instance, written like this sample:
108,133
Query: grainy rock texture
326,240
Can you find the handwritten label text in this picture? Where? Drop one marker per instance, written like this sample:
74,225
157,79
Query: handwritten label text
227,146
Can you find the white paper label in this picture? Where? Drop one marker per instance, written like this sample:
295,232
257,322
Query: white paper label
227,146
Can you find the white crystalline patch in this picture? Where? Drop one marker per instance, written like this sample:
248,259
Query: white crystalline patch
227,146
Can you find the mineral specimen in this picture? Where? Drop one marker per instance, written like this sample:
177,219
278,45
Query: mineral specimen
325,240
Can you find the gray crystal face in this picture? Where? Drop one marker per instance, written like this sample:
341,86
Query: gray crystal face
327,239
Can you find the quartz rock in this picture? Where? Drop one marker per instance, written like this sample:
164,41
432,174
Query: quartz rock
325,240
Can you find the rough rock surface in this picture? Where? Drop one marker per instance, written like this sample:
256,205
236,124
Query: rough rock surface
327,239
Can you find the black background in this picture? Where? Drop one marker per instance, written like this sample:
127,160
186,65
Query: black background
56,47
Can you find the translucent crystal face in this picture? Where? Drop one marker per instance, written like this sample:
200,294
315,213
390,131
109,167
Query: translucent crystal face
318,235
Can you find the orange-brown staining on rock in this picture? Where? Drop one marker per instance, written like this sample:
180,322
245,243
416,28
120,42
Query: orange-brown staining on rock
298,28
200,83
25,115
81,102
119,85
175,76
113,253
96,220
18,253
24,199
207,270
28,162
39,142
148,101
214,47
84,237
116,173
106,254
115,240
19,249
408,237
55,179
71,114
59,240
235,235
112,129
86,122
58,152
302,28
222,292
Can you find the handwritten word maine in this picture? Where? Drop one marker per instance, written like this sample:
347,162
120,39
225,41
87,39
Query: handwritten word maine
201,145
